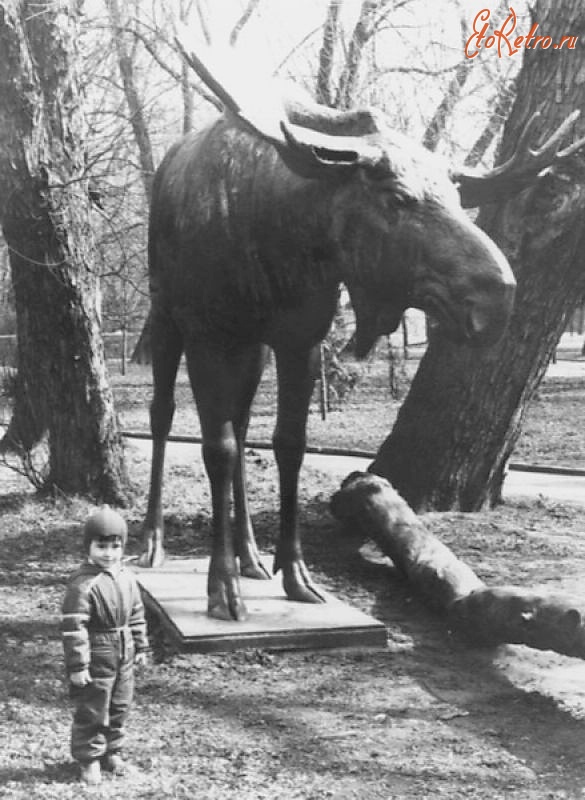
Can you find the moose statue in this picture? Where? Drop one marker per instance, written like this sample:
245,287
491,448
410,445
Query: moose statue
256,220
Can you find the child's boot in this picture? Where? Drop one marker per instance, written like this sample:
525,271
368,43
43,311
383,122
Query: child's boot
91,773
114,763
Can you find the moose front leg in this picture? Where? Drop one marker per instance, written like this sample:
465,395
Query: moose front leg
295,387
251,565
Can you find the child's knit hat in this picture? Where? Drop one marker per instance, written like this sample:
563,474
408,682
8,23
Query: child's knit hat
102,524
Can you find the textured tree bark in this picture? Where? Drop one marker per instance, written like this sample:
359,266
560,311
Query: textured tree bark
62,391
462,417
505,614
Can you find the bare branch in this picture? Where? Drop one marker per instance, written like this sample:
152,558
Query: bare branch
436,126
135,103
163,64
499,114
203,22
243,20
296,48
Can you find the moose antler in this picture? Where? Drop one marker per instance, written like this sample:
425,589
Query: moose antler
261,109
521,169
257,112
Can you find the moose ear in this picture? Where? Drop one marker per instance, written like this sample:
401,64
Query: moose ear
316,154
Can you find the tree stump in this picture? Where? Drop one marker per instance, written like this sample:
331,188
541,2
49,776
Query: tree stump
502,614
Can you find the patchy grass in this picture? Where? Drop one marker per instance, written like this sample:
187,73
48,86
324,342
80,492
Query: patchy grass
428,717
554,429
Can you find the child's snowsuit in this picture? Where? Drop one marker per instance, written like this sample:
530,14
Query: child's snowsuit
103,627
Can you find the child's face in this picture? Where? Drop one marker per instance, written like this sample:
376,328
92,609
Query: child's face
106,553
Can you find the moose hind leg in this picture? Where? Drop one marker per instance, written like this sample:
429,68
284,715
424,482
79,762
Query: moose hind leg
214,381
295,387
167,347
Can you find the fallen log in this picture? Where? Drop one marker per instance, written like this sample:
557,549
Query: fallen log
503,614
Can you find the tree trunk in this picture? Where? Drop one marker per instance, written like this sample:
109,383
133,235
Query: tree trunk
323,93
62,391
142,350
364,30
462,417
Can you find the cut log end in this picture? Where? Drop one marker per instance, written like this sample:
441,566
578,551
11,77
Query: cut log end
521,616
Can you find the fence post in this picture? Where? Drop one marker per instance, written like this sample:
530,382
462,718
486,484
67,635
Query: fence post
323,388
124,349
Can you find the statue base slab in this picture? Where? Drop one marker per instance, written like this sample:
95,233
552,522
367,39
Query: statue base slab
176,594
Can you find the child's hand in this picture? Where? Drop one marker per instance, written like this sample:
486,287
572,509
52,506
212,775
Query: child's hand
141,659
80,678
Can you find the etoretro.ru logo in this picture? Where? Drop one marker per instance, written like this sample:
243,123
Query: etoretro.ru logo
505,40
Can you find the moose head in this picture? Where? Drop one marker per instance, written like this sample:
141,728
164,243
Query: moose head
402,237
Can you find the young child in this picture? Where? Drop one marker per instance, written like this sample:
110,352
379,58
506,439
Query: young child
104,637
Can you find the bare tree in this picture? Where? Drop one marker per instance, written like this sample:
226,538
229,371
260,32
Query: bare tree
62,391
436,126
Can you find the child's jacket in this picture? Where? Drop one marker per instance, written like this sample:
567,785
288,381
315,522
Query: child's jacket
100,602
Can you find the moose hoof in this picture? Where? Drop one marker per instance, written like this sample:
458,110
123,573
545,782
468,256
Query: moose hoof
255,570
226,605
304,594
298,586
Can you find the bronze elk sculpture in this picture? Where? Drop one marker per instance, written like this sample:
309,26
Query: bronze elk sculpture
255,222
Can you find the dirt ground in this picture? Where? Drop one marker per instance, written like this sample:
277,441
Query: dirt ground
427,716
